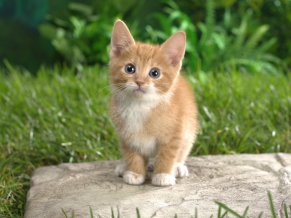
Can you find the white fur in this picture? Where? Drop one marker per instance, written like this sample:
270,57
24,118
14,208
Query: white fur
120,169
133,178
134,112
144,144
181,170
163,179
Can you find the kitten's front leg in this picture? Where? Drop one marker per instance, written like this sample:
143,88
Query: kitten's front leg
165,162
135,173
120,169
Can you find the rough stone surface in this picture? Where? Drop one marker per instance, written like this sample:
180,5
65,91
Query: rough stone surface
235,180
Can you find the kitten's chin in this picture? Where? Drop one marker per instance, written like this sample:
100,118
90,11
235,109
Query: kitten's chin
139,93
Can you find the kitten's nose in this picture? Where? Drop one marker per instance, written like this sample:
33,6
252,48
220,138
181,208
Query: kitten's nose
139,83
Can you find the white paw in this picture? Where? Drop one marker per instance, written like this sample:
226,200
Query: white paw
181,170
163,179
120,169
133,178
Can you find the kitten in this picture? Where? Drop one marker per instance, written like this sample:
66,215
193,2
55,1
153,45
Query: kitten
152,107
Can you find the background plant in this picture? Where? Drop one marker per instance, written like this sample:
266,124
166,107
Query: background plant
212,46
84,38
275,13
29,49
265,12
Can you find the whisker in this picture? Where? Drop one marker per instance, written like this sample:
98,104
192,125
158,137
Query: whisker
102,89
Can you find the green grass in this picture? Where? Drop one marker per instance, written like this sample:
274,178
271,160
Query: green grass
243,113
58,116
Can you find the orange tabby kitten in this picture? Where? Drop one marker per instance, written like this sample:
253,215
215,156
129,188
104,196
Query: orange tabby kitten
152,107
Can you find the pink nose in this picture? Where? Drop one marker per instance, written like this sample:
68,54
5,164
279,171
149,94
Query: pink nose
139,83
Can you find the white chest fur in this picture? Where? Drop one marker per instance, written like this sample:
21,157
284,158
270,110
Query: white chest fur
134,115
143,143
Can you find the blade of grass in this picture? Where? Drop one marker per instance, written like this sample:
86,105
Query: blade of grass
223,215
112,213
271,205
91,213
219,212
286,211
228,209
245,212
65,213
137,213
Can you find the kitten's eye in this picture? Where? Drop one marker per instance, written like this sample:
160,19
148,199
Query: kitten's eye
129,68
155,73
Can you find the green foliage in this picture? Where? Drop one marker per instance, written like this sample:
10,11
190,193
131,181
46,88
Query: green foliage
212,46
272,205
244,215
66,216
112,213
78,32
170,22
137,213
242,113
276,13
84,38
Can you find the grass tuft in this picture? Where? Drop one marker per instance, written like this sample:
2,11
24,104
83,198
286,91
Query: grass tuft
272,205
219,215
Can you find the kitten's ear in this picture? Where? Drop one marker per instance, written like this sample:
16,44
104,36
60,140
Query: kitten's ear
121,38
174,47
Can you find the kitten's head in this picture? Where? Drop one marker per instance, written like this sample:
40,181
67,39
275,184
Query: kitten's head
141,70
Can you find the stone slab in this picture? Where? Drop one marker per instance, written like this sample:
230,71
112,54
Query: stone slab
235,180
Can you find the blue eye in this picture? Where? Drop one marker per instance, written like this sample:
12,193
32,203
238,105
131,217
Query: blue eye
155,73
129,68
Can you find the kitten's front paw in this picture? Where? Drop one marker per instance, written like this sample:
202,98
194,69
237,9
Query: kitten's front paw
120,169
181,170
133,178
163,179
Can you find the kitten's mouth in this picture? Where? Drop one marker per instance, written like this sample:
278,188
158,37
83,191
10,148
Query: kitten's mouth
139,91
